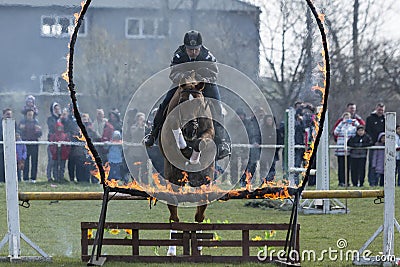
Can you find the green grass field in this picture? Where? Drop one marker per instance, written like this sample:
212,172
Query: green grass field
55,227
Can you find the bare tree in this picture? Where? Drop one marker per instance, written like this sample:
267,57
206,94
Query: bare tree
363,61
107,69
291,53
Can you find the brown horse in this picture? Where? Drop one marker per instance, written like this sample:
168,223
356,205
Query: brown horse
186,142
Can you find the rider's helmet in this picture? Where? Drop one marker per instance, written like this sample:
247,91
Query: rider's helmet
192,39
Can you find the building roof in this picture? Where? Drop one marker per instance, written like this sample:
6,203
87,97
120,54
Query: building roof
228,5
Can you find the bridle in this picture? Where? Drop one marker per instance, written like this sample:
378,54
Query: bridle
194,121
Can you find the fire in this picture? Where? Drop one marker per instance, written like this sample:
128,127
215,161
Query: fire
96,172
248,180
156,180
307,155
279,188
76,16
321,17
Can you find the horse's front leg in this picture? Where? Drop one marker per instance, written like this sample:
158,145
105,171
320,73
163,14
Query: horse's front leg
200,144
199,217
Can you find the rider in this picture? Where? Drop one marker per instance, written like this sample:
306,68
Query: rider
207,70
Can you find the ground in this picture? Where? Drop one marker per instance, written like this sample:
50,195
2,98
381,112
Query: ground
55,226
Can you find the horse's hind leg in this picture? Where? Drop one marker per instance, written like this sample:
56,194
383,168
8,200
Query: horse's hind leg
173,217
199,217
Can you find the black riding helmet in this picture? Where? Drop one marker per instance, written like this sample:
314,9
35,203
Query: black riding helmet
192,39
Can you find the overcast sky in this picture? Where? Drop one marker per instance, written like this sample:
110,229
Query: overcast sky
391,17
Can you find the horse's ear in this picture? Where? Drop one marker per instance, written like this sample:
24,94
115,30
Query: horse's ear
200,86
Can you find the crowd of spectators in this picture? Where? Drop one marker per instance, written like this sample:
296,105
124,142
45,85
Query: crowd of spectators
350,132
67,158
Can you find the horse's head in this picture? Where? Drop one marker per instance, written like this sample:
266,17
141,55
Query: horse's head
190,89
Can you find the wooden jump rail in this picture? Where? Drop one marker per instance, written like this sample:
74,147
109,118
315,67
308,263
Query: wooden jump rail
307,194
189,240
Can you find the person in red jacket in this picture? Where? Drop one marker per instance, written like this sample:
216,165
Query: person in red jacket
59,153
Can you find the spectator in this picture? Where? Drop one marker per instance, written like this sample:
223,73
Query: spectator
30,131
114,117
21,155
55,116
344,131
378,161
308,118
238,157
71,129
139,156
255,141
351,108
89,165
154,153
375,124
269,156
398,154
87,122
115,156
59,153
299,139
69,122
104,131
358,157
30,105
78,156
7,113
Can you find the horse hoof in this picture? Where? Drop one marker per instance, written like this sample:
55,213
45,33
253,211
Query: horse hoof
171,251
187,152
195,158
199,218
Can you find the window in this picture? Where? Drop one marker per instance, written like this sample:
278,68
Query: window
50,84
146,28
60,26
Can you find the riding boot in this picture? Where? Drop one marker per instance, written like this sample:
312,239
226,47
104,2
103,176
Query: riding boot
222,141
158,121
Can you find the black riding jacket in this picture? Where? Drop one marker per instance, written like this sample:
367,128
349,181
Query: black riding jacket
205,65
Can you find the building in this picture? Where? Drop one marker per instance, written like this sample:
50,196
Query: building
35,36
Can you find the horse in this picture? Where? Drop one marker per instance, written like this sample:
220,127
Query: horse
188,132
186,142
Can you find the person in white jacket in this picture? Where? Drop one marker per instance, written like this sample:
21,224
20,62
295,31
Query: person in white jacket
346,129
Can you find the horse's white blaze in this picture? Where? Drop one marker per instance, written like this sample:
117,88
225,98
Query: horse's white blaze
191,97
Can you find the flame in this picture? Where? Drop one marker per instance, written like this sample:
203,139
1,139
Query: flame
96,173
156,180
248,180
185,177
64,75
321,17
308,153
76,16
210,188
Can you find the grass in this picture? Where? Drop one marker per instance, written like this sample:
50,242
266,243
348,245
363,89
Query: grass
55,226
